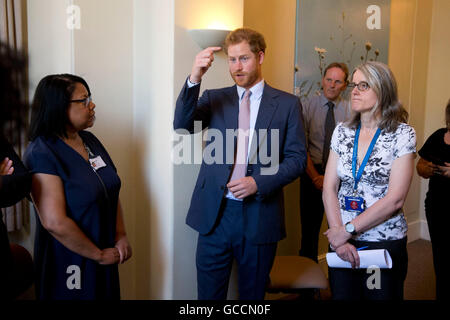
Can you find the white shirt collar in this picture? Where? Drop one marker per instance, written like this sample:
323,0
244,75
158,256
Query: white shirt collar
257,90
324,100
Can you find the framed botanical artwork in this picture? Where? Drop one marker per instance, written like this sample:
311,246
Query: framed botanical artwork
349,31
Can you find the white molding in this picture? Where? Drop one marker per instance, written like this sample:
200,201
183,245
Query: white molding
72,44
418,230
414,230
424,233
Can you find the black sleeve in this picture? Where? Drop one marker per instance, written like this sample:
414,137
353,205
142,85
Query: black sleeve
15,187
431,147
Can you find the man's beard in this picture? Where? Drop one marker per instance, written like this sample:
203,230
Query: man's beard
247,80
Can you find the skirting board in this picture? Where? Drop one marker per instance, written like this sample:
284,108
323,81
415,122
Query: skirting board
416,230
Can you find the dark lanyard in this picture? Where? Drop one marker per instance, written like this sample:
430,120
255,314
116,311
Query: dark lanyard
357,176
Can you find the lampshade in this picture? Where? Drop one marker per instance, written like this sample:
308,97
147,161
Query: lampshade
209,37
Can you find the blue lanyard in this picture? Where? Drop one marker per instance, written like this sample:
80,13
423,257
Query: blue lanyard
358,176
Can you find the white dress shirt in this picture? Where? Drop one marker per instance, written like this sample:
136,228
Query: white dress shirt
255,101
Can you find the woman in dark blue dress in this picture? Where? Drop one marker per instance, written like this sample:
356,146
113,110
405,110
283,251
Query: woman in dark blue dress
80,235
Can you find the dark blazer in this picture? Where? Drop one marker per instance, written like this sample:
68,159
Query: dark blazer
219,109
17,186
13,188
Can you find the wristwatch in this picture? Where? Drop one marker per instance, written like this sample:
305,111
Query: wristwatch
350,228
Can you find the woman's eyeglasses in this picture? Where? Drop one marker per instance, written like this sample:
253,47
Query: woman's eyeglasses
86,101
362,86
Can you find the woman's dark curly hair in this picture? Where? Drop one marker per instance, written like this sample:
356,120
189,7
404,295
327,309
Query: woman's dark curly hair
13,94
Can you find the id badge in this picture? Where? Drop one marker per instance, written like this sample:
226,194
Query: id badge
354,204
97,163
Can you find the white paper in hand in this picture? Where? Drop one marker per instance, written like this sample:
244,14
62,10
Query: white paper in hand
368,258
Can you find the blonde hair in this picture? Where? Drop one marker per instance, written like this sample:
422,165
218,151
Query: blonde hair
382,82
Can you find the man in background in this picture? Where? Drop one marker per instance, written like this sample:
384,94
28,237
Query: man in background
320,114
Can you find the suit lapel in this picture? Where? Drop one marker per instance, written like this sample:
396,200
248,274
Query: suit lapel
231,109
267,108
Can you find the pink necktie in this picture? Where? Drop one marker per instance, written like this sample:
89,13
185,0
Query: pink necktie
240,165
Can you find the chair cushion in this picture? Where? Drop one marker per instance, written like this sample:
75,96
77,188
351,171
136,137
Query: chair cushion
295,272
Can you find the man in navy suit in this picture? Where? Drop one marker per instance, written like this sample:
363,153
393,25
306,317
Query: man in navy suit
237,206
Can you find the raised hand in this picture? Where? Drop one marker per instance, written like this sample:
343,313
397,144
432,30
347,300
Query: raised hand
202,62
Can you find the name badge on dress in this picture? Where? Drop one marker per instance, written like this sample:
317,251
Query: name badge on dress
354,204
97,163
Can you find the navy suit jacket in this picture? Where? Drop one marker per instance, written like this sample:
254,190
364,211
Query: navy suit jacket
219,109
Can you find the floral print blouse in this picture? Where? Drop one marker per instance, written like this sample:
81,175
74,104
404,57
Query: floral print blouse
375,179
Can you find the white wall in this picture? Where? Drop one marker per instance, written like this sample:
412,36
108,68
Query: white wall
102,55
194,14
153,114
57,60
128,64
49,41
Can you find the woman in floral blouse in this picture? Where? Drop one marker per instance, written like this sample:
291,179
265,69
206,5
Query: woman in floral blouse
367,178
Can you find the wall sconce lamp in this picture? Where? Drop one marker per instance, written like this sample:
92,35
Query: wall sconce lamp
209,37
